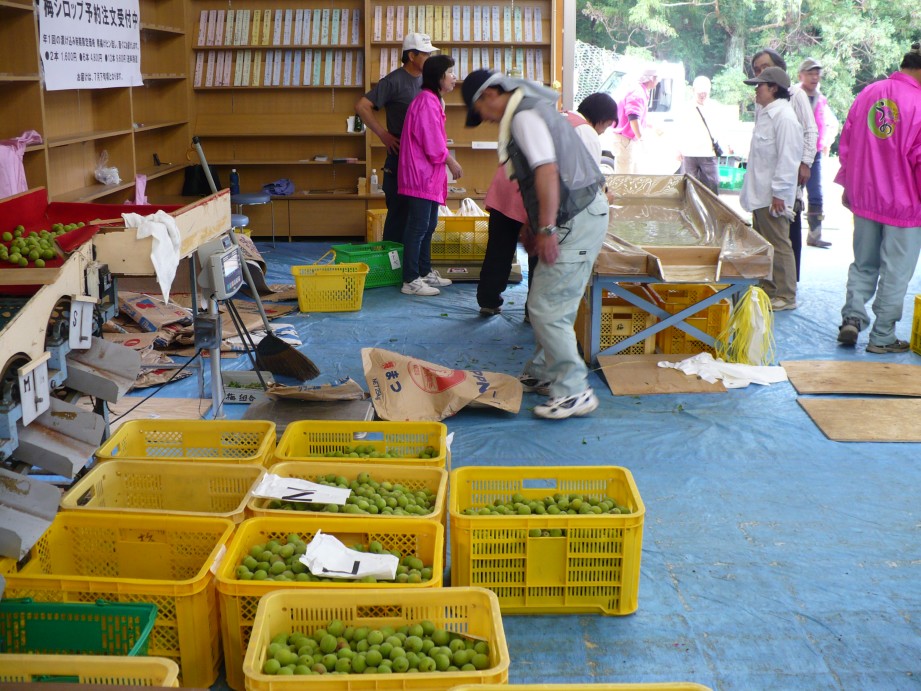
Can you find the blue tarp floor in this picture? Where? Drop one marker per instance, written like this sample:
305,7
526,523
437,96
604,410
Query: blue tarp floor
773,558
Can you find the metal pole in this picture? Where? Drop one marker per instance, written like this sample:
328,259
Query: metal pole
569,53
217,384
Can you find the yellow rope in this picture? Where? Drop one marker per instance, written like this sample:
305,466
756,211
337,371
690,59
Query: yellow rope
749,336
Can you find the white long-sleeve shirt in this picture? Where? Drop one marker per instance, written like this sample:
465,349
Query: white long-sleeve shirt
774,157
799,101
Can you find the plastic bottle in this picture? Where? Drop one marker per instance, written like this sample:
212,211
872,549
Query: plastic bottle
234,181
359,125
375,185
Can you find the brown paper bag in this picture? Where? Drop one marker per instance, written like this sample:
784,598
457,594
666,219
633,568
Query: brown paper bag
403,388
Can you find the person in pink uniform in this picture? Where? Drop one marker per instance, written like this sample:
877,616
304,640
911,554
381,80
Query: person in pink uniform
880,156
632,126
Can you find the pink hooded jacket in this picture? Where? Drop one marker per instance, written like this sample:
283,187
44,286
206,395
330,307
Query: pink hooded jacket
424,150
880,152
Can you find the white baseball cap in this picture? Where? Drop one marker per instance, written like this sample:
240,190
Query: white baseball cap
701,85
420,42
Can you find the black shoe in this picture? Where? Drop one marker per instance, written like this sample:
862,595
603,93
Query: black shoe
490,311
824,244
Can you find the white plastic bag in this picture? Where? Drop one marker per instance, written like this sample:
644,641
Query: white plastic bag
444,211
105,174
468,207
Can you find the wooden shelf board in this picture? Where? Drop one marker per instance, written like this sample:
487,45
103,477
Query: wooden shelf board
279,162
271,125
161,170
148,126
18,77
11,5
474,44
34,147
277,87
87,194
85,136
163,77
162,29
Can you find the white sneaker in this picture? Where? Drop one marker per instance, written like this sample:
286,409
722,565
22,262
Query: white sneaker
567,406
419,287
434,279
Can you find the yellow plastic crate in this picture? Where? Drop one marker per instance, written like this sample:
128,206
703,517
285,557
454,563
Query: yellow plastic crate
659,686
460,238
426,478
916,327
94,670
239,599
594,567
86,556
619,321
214,441
215,490
711,320
375,230
469,611
311,440
330,287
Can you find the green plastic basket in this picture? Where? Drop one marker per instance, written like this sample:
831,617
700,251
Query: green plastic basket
731,178
103,628
384,260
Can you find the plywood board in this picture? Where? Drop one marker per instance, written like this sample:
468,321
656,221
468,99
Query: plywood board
167,408
865,419
637,375
853,377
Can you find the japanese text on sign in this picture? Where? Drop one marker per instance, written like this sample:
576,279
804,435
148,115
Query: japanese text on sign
90,45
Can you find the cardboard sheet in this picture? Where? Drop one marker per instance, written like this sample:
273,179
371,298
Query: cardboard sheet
167,408
636,375
851,377
865,419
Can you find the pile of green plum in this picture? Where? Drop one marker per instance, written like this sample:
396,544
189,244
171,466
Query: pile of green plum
368,451
341,649
278,560
20,247
558,504
368,497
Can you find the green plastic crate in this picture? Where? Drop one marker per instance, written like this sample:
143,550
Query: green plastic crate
103,628
384,260
731,177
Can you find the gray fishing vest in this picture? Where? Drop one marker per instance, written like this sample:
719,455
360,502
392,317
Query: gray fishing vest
580,178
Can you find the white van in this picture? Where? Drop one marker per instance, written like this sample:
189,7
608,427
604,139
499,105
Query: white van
669,96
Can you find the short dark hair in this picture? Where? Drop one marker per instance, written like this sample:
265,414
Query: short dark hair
433,70
598,107
912,59
773,55
782,93
404,58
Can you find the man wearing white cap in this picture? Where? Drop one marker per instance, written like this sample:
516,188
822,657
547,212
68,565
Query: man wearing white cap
632,108
395,92
698,146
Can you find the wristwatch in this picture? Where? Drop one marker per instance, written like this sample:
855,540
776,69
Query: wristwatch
546,230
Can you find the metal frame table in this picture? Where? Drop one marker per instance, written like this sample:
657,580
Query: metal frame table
733,285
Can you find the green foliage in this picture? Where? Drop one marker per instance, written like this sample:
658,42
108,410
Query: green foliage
856,42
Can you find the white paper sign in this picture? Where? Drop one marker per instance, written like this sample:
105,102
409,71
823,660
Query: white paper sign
327,556
294,489
84,50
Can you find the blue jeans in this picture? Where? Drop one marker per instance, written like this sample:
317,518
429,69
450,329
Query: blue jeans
814,185
884,262
395,222
421,219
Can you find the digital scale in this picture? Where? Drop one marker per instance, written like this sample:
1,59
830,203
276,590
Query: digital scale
222,268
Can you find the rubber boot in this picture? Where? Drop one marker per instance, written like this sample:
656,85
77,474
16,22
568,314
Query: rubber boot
815,217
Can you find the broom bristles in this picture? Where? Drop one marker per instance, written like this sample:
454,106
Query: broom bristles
284,359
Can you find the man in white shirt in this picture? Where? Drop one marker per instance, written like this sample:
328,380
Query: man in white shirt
699,121
769,189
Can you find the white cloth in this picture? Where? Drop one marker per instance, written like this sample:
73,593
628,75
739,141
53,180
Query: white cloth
773,159
164,250
694,140
734,376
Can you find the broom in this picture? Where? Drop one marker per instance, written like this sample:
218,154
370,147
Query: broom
273,353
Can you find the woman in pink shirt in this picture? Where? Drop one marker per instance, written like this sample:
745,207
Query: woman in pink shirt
422,177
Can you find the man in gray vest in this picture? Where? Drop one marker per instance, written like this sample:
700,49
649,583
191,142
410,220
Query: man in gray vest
563,195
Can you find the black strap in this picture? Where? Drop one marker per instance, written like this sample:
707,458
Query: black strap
712,140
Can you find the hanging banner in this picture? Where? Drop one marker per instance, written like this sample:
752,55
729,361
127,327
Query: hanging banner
88,44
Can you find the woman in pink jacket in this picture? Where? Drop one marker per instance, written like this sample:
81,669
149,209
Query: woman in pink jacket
880,156
422,177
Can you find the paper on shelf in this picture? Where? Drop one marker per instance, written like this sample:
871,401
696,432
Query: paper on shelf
296,490
327,556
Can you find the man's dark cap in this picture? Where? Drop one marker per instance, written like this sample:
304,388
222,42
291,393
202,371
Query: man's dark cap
469,89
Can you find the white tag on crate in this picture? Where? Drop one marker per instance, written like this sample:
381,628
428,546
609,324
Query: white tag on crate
293,489
327,556
394,259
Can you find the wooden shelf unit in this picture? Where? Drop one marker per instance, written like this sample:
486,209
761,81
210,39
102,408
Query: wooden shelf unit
272,132
129,123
